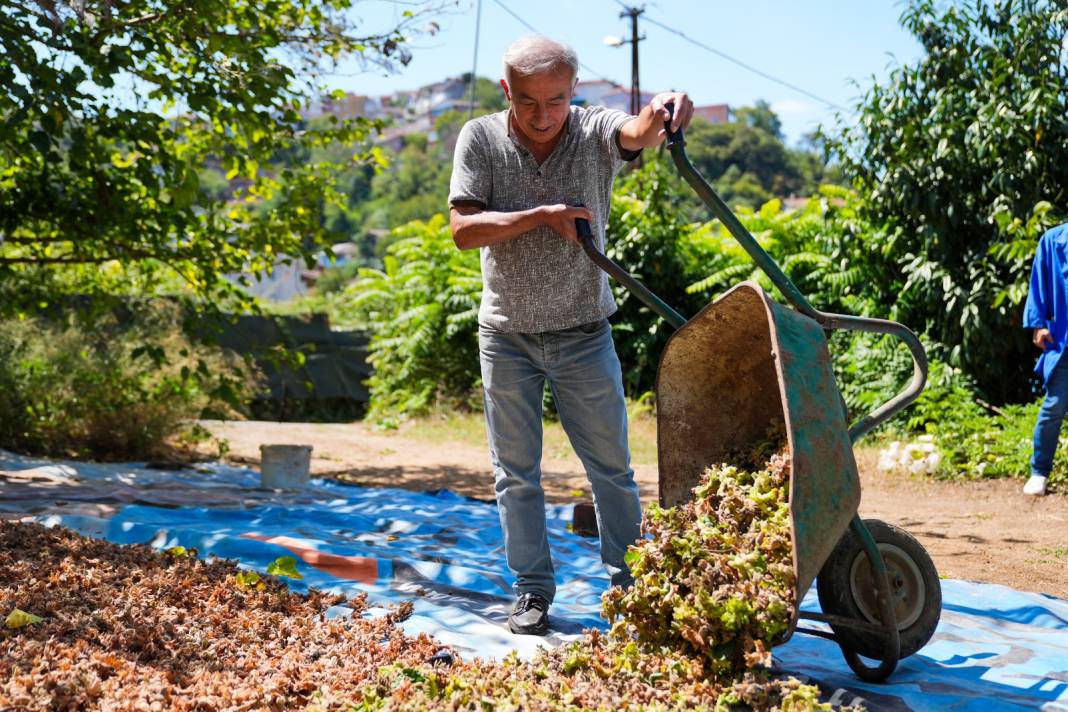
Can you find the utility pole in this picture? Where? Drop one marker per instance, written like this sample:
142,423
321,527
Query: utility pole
474,61
635,83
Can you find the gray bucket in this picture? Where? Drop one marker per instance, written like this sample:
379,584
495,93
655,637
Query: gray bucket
284,466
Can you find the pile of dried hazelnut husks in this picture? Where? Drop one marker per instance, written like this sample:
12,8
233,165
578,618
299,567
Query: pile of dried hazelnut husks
127,627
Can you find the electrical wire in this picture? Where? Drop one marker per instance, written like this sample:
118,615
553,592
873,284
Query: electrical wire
530,27
738,62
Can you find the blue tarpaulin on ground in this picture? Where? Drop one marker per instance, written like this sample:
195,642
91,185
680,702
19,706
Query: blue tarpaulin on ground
995,648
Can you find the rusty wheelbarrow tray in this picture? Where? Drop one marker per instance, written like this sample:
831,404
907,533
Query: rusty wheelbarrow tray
745,363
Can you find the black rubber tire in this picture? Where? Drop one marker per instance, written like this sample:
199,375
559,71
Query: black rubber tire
845,589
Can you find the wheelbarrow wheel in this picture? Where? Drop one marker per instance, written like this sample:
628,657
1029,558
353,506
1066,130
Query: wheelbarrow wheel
846,587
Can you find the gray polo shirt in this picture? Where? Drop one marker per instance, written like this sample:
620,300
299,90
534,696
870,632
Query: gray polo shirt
540,281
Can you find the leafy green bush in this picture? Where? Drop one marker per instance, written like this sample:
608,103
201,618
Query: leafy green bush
422,311
963,156
977,444
117,391
648,236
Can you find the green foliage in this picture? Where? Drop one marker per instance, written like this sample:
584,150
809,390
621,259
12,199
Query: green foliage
716,580
422,310
818,248
978,444
249,579
116,112
19,618
489,96
963,157
409,182
714,588
975,439
745,159
113,391
415,186
285,566
646,235
826,249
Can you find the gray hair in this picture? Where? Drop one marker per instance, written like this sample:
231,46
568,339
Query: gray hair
537,54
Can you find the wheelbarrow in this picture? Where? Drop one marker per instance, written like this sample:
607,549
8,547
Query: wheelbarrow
745,364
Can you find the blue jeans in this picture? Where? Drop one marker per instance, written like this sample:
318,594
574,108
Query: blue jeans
587,385
1050,417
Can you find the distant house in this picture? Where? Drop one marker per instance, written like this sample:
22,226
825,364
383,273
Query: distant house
461,105
600,92
348,106
592,93
433,96
713,113
620,99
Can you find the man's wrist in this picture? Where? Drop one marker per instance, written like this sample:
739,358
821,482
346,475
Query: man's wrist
540,215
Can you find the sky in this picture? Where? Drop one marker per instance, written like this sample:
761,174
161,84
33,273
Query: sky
830,49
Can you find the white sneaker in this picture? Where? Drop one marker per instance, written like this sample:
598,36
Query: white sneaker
1036,486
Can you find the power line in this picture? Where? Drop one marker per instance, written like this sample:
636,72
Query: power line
740,63
535,30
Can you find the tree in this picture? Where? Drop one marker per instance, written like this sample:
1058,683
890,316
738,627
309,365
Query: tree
963,157
744,158
111,111
415,186
489,96
647,235
760,116
813,162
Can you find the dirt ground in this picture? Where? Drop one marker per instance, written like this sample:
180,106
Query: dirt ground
981,531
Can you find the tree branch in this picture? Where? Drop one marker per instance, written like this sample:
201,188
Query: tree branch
54,260
144,19
86,259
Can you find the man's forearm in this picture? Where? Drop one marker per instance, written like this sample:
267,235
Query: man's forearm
473,227
643,131
646,129
485,228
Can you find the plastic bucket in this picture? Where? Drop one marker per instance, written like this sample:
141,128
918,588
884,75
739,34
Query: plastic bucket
284,466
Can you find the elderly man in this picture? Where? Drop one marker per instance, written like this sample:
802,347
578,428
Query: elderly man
520,179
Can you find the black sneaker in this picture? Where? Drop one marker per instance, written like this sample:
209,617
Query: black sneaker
530,616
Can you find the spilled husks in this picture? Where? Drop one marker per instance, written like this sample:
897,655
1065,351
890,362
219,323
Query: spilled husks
713,589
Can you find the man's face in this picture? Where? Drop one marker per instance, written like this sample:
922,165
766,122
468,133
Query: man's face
541,103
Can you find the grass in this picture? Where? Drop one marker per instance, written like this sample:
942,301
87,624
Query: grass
470,428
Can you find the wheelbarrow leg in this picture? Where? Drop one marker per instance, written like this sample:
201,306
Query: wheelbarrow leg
892,650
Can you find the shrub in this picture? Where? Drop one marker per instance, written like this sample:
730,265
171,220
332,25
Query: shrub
422,311
116,392
648,236
978,444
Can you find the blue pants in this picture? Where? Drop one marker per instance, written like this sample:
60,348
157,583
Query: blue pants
1050,417
587,385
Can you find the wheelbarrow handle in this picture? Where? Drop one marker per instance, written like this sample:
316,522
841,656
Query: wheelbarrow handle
919,366
624,277
676,144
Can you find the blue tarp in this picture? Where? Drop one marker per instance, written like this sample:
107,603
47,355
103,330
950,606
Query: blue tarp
995,648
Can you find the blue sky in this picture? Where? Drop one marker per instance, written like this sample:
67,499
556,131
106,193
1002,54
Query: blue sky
818,45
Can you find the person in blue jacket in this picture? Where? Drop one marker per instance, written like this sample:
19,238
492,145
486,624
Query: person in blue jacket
1046,314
